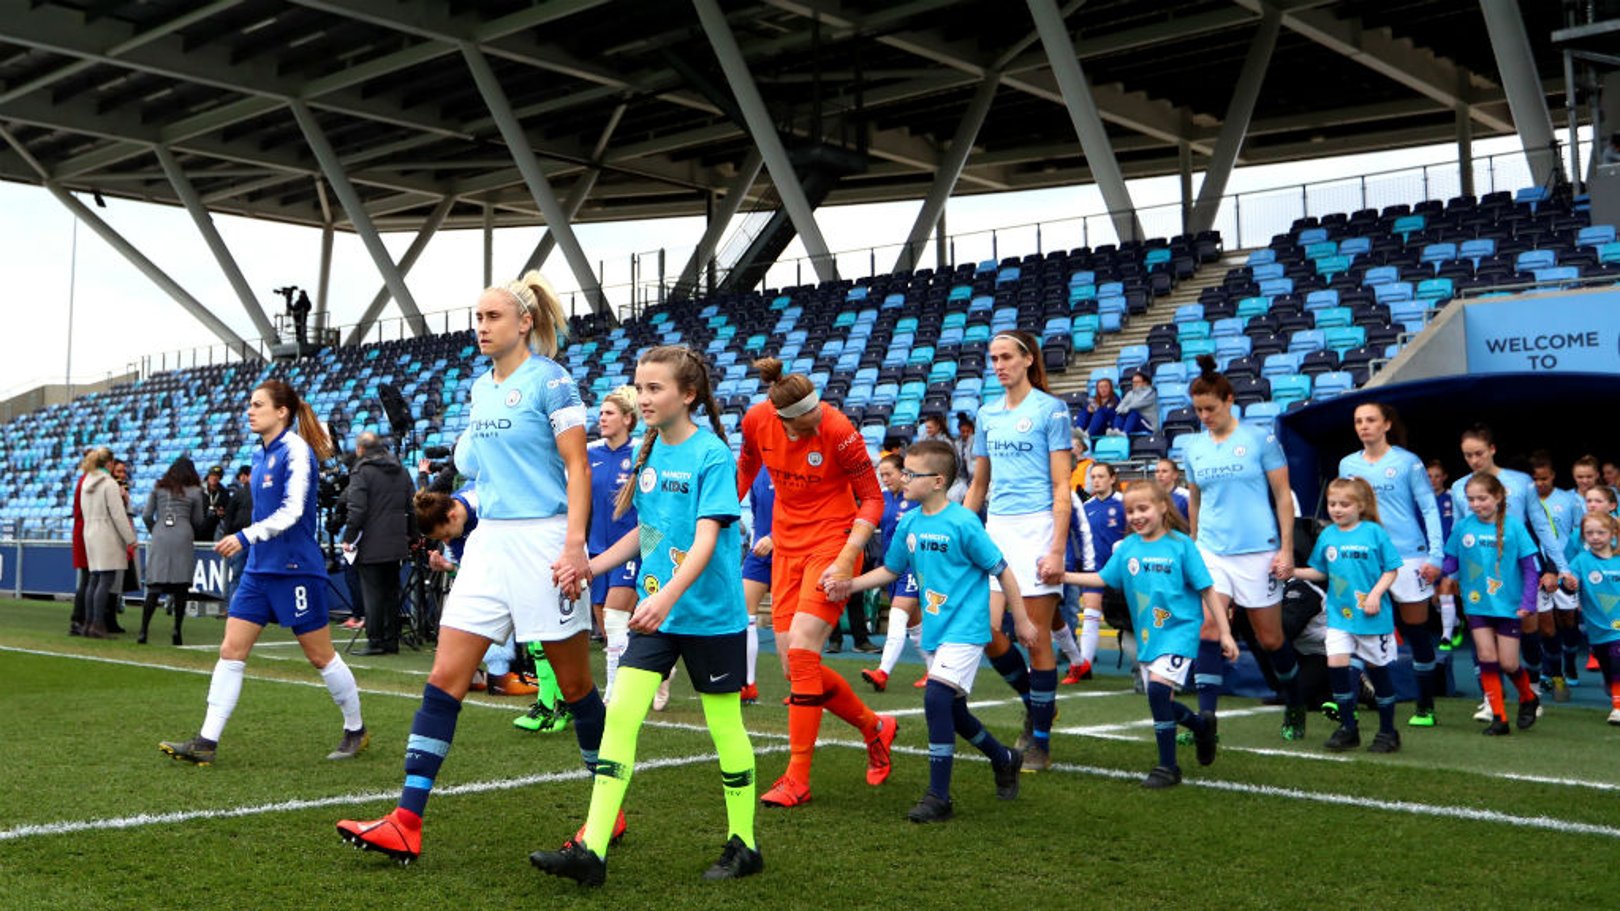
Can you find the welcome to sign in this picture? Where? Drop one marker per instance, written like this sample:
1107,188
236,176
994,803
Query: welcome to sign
1576,332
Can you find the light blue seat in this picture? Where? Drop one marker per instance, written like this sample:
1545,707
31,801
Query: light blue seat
1130,357
1312,235
1328,267
1331,385
959,293
1321,300
942,372
1408,225
1609,253
1261,257
1170,372
1342,338
1111,449
1307,340
1331,317
1435,254
1321,249
1437,290
1227,327
1111,289
984,303
1266,271
1194,347
1082,277
1477,249
1188,313
954,320
1392,291
1594,236
1281,364
906,324
1557,276
1253,306
1198,329
1275,287
1531,260
1380,275
1232,346
1079,293
1173,394
1355,246
1290,388
1262,415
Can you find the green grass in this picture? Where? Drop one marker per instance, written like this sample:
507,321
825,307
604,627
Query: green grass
80,736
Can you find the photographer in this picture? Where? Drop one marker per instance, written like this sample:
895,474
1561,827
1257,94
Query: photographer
377,532
238,515
216,500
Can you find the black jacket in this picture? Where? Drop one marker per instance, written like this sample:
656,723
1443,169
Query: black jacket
379,508
213,501
239,511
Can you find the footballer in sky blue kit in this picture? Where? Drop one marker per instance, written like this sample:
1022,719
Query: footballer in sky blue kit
1019,443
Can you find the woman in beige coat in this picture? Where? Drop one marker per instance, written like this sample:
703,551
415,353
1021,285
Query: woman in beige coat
108,534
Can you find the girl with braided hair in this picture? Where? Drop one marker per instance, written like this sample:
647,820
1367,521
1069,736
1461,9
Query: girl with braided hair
684,491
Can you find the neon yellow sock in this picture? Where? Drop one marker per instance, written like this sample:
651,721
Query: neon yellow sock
544,677
723,712
633,697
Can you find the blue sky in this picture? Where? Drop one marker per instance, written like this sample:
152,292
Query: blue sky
119,316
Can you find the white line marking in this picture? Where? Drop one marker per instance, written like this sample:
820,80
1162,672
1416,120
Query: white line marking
1263,751
1094,729
473,787
994,703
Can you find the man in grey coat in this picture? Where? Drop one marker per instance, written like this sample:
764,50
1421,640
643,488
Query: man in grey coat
377,532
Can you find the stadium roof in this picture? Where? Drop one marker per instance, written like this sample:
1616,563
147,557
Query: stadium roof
93,90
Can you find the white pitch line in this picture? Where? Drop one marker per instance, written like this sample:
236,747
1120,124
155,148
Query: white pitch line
994,703
472,787
1091,730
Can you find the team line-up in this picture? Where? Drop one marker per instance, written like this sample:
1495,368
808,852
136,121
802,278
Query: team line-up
652,531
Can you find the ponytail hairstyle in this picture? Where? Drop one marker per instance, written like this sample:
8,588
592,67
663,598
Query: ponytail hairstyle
691,373
1607,493
1396,435
181,475
1156,493
897,459
1359,490
300,415
533,295
783,390
1492,486
1211,381
97,459
624,399
432,510
1031,346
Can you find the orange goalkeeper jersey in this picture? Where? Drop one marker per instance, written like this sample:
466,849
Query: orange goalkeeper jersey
823,482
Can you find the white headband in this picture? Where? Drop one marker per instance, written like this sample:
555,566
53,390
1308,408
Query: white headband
801,407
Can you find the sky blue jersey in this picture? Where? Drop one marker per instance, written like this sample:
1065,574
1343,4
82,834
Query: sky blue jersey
1019,444
1162,581
1354,559
1235,514
1407,507
952,558
1600,595
679,485
509,448
1490,587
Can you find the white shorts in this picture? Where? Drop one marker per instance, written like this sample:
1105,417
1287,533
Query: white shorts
955,664
1376,649
1409,587
504,586
1173,668
1557,599
1245,578
1023,540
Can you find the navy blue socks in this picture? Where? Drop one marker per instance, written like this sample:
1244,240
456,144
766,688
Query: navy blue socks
1042,705
432,730
1010,665
1209,674
590,715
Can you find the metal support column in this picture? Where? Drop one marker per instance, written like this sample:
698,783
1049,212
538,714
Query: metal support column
1088,123
429,228
1465,151
328,235
349,198
1184,165
1522,84
528,164
216,244
736,192
577,195
489,245
950,168
127,250
1236,123
941,244
769,143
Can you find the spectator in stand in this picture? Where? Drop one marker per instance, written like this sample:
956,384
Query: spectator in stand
1138,410
1100,409
377,531
174,514
95,459
238,515
215,499
108,535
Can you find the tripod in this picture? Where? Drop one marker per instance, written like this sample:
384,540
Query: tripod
416,611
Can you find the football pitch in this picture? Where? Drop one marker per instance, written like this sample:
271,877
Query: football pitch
93,816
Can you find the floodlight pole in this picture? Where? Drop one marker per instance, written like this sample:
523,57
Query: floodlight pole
528,164
349,198
1465,151
1526,101
950,169
1087,121
1236,123
762,129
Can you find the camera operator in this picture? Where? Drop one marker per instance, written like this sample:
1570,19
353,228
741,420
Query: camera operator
216,500
377,532
238,515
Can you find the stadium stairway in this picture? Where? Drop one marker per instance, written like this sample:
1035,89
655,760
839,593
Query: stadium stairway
1078,377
